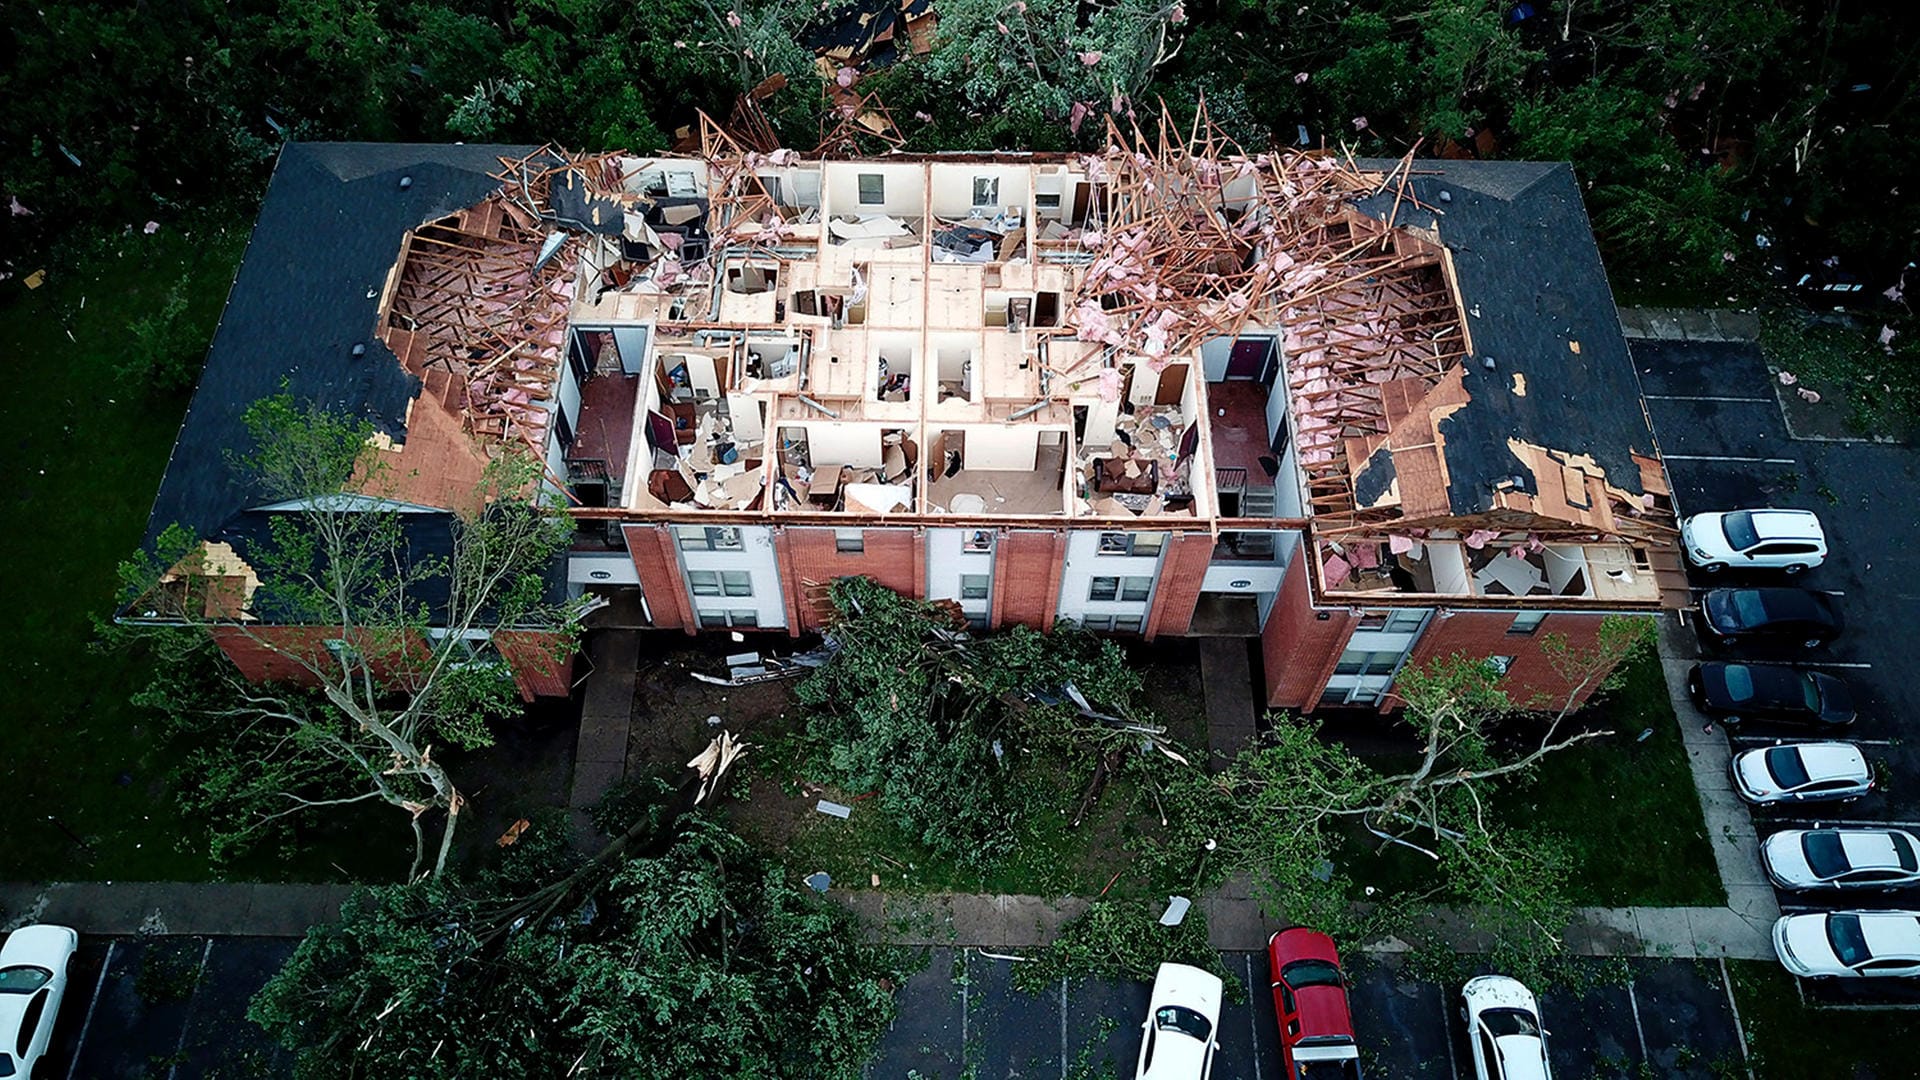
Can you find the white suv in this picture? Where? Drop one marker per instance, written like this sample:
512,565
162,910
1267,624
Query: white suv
1789,540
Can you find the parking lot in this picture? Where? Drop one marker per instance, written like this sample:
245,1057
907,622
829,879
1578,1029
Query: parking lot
1715,410
172,1008
960,1017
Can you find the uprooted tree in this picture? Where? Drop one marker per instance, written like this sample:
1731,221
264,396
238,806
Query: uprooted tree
385,651
676,951
1290,807
965,739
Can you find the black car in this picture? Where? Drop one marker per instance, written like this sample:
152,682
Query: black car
1785,615
1737,692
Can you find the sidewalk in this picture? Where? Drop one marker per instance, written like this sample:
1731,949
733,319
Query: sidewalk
207,909
1681,324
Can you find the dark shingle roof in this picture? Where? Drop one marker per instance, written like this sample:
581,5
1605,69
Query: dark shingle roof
1532,285
307,291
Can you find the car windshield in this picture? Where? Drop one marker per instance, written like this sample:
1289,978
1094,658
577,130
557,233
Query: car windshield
1824,854
1903,850
1748,608
1304,973
1183,1020
1739,679
1739,529
24,979
1505,1022
1785,765
1810,692
1849,944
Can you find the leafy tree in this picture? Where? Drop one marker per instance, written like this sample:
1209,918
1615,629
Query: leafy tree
384,676
1289,809
693,958
944,730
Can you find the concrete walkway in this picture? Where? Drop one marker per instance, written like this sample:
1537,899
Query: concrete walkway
1226,681
207,909
1680,324
606,718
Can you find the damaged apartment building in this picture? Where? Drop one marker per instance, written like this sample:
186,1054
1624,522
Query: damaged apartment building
1368,412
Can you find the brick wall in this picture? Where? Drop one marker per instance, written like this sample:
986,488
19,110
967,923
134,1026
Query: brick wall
1026,578
1298,648
542,663
1183,570
260,652
896,558
1531,681
651,547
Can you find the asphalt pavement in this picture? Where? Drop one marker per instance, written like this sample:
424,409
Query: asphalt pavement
1716,411
961,1017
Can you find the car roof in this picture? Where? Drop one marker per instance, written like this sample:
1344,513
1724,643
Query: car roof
1869,848
1787,525
1784,603
1518,1062
1773,682
1831,760
1891,933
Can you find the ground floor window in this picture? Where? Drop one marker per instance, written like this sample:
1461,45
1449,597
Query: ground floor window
738,619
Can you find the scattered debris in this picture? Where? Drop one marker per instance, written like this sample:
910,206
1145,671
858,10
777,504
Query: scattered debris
512,835
834,809
819,881
1176,912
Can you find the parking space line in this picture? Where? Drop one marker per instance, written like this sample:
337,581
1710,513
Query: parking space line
1446,1027
1063,1027
1705,397
186,1025
1739,1030
1253,1018
1633,1002
1827,822
966,978
1828,663
1807,738
98,984
1741,460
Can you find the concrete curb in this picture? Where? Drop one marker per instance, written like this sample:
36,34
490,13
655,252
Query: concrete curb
204,909
1682,324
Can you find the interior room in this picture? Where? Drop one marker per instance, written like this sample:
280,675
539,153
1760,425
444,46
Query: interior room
875,207
1151,448
857,467
997,469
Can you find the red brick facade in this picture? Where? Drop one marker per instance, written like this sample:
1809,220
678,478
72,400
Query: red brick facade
274,653
896,558
1531,681
1298,647
1026,578
1183,570
651,547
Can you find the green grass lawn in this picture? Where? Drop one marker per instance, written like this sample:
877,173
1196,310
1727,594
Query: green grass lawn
1788,1041
1628,807
84,455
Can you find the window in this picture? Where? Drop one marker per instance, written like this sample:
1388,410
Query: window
1103,588
1139,545
1097,622
704,582
1135,589
986,191
978,540
849,541
973,586
1047,200
742,619
873,189
1499,664
1527,622
342,652
697,538
1366,662
1127,624
736,583
1391,620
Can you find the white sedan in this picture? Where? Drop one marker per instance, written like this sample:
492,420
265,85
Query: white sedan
1849,944
1503,1029
1796,772
1842,858
33,976
1176,1041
